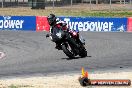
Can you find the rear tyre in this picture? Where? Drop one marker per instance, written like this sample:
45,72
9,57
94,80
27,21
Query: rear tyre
67,51
83,52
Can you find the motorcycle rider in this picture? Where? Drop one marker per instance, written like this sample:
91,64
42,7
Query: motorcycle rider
55,23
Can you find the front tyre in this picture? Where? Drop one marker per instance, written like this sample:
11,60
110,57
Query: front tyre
67,51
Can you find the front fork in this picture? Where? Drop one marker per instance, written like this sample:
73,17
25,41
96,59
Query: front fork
73,45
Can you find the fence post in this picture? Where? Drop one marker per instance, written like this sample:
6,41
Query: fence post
120,1
96,2
2,3
53,4
130,3
90,5
110,5
71,3
71,7
124,2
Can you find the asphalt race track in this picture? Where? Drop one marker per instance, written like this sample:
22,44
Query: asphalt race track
30,53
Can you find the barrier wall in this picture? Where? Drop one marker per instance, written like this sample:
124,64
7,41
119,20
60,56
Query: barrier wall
18,23
96,24
90,24
40,23
129,24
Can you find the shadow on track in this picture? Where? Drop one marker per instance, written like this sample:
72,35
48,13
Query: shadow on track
74,58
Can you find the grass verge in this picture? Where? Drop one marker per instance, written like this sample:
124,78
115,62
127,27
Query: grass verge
63,12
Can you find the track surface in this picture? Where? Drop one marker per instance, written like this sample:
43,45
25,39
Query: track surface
31,52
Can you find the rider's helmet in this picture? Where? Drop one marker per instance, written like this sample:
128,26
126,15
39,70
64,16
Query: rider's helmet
51,19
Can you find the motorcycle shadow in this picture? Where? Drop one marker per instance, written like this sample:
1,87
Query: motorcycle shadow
78,57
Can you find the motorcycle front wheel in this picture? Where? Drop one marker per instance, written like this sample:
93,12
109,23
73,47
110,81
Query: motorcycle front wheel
83,52
67,50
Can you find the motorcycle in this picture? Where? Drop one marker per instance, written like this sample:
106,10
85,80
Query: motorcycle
69,43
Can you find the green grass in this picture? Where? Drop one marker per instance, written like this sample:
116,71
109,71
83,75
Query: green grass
107,14
64,12
13,86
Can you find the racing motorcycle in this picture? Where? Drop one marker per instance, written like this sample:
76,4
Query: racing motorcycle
69,43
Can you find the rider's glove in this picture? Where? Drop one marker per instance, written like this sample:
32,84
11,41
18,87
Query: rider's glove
47,35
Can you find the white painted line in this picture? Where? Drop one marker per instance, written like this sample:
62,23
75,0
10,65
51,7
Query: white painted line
2,55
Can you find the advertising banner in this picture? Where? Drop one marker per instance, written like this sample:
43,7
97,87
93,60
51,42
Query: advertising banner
18,23
42,23
129,24
96,24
